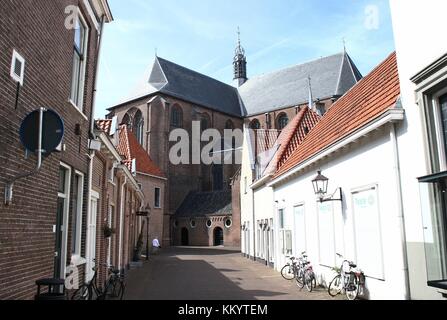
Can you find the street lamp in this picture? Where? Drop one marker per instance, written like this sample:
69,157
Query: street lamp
320,184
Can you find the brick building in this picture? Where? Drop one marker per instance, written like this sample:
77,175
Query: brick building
173,96
116,201
48,58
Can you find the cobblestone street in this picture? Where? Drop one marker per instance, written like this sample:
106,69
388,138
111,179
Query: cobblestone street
210,274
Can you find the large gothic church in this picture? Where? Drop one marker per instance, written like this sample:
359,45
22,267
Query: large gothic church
202,203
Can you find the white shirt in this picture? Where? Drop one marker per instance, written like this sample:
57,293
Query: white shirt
155,243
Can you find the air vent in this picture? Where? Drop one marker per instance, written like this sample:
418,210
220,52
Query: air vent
18,67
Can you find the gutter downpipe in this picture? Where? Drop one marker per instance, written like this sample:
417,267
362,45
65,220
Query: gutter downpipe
401,215
254,225
92,134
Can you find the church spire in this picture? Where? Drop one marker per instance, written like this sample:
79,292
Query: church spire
240,62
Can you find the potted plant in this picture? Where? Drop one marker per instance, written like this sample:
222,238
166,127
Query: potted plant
108,231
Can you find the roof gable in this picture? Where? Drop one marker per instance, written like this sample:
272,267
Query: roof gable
130,150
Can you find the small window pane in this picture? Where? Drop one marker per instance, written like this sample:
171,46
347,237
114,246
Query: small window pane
62,179
157,197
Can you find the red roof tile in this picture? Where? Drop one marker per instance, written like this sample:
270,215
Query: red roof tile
130,149
143,160
292,136
367,100
105,125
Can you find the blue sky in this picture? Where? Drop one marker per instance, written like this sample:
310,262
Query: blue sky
201,35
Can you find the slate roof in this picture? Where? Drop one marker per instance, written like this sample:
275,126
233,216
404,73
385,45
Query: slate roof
330,77
204,204
369,99
174,80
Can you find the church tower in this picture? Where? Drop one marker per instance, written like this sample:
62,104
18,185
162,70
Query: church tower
240,63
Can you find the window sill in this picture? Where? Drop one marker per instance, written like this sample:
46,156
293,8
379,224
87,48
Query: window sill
77,109
78,261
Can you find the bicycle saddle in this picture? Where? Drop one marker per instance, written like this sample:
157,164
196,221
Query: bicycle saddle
115,271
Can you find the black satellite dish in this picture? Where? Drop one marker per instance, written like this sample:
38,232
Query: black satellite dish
52,131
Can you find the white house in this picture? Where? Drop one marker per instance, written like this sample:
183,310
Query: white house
354,145
422,62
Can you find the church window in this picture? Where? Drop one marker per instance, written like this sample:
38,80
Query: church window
177,117
283,121
255,124
229,125
127,121
138,126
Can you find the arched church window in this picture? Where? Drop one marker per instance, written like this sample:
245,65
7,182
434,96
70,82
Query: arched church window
127,121
138,126
205,122
229,125
177,117
283,121
255,124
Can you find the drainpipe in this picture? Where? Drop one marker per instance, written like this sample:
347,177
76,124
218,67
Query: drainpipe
401,216
254,224
92,135
95,85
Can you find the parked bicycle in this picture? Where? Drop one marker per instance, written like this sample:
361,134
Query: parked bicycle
289,271
349,280
113,288
304,274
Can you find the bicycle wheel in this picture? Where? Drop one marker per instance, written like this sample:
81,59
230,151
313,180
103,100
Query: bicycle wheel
119,290
335,286
287,272
352,291
83,293
309,280
299,279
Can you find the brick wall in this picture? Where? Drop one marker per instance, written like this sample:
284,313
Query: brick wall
27,242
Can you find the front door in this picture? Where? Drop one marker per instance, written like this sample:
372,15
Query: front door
58,263
185,237
218,237
60,229
91,236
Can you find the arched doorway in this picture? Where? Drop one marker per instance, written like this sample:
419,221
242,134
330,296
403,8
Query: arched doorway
218,237
185,237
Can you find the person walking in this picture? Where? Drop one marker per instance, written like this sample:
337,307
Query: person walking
155,246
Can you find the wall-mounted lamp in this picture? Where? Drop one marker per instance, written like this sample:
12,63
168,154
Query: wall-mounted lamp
320,184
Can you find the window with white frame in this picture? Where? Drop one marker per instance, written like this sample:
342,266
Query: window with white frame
80,45
300,229
62,213
326,232
368,238
157,198
284,234
431,84
76,223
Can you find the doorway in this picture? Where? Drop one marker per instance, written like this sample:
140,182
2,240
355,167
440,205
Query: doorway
218,237
91,235
185,237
